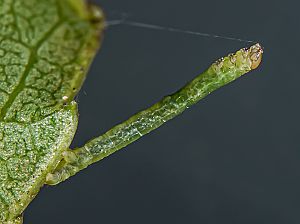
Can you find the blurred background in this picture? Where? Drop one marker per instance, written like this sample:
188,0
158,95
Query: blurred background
232,158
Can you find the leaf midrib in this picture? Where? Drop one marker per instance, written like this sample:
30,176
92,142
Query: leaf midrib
31,61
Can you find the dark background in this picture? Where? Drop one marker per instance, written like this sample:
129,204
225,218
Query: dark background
232,158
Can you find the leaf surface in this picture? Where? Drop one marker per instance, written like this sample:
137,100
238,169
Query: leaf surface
28,152
46,47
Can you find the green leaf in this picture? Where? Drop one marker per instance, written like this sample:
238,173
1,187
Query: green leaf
46,47
28,153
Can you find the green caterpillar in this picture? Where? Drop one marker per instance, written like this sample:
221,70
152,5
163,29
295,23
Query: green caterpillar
219,74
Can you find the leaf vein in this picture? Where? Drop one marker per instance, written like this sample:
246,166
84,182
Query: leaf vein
31,61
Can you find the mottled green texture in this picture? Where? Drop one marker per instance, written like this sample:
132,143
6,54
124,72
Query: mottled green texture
45,50
46,47
28,153
219,74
